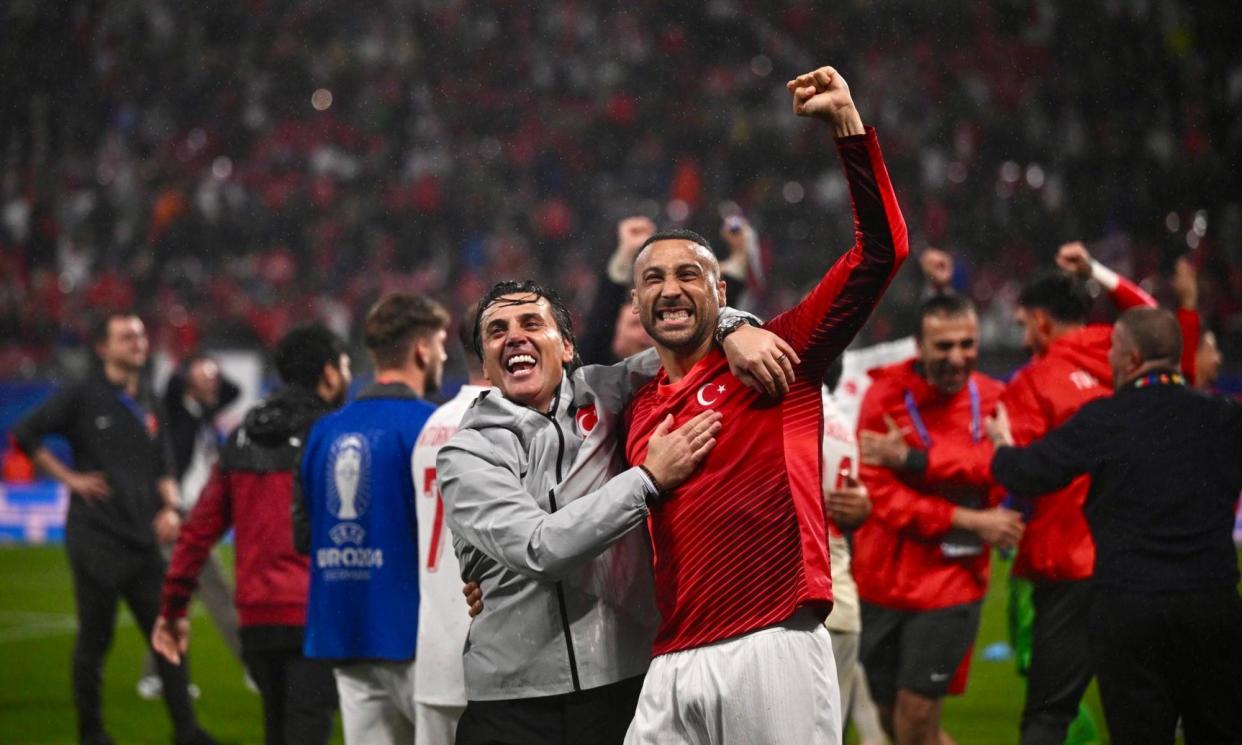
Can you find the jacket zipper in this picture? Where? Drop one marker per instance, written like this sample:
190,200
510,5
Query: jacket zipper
560,587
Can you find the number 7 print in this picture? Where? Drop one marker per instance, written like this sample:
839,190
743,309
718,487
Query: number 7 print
431,489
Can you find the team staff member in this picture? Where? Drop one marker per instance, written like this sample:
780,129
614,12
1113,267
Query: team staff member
543,514
250,491
123,504
921,559
439,680
357,484
1165,623
741,552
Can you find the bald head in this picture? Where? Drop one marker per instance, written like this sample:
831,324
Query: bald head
1144,339
1154,333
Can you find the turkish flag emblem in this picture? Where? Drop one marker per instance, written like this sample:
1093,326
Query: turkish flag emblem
587,419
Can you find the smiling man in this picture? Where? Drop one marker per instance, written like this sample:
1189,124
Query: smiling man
741,550
921,560
543,513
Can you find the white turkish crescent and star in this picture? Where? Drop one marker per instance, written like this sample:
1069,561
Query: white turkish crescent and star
702,396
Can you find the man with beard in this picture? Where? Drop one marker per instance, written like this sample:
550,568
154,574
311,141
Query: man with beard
544,514
740,549
920,560
123,505
250,491
1164,620
357,483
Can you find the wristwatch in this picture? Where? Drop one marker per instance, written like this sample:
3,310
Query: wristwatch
729,325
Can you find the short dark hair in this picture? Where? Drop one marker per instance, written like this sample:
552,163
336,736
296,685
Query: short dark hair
1060,295
560,313
943,304
395,321
302,353
675,234
103,323
1155,333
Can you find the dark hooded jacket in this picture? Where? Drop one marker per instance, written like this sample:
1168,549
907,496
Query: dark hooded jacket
251,490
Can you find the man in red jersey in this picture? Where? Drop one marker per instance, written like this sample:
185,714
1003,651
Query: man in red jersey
740,551
921,560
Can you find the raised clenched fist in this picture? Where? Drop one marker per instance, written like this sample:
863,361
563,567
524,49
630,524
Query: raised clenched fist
1074,258
824,94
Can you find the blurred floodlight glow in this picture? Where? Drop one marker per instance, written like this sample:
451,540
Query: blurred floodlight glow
793,192
321,99
1034,176
1172,222
761,66
678,210
1010,172
222,167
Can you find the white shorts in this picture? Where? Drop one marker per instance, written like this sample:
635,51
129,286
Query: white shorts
435,724
777,685
377,702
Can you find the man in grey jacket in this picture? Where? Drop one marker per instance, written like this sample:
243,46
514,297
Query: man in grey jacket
543,510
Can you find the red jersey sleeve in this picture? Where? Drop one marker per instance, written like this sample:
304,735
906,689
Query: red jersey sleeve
821,326
1127,295
210,519
1188,319
1027,419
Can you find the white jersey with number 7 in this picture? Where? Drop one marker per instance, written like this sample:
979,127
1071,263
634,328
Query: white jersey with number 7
442,617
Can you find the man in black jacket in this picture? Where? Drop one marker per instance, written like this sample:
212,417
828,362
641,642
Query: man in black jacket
123,504
1165,461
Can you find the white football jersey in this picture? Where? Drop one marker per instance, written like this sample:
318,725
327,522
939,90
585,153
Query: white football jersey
442,614
840,450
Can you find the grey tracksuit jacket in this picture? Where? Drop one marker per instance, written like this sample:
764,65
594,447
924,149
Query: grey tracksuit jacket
544,514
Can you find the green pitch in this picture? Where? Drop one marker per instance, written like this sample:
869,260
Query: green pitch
36,642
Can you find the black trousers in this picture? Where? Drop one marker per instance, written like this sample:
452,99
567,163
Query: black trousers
1158,657
599,716
299,694
103,574
1060,661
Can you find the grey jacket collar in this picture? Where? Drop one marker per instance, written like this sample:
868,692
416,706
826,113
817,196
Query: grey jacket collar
492,409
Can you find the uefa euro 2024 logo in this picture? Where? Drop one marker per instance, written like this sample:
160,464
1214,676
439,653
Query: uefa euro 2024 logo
349,465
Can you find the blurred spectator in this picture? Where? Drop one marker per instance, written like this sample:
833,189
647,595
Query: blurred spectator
254,164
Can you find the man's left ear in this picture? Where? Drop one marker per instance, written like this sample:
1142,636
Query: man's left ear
722,293
567,355
422,353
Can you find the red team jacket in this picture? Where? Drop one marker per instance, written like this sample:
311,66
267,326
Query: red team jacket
1057,544
743,544
905,555
272,578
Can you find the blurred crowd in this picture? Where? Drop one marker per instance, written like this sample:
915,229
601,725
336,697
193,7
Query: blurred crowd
232,168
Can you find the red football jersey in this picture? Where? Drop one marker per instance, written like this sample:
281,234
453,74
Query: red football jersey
743,543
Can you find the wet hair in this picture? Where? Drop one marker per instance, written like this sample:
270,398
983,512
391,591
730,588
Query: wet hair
560,313
945,304
1155,334
675,234
1058,294
396,321
103,324
302,353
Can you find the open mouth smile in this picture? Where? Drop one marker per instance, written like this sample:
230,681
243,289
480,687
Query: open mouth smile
520,365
